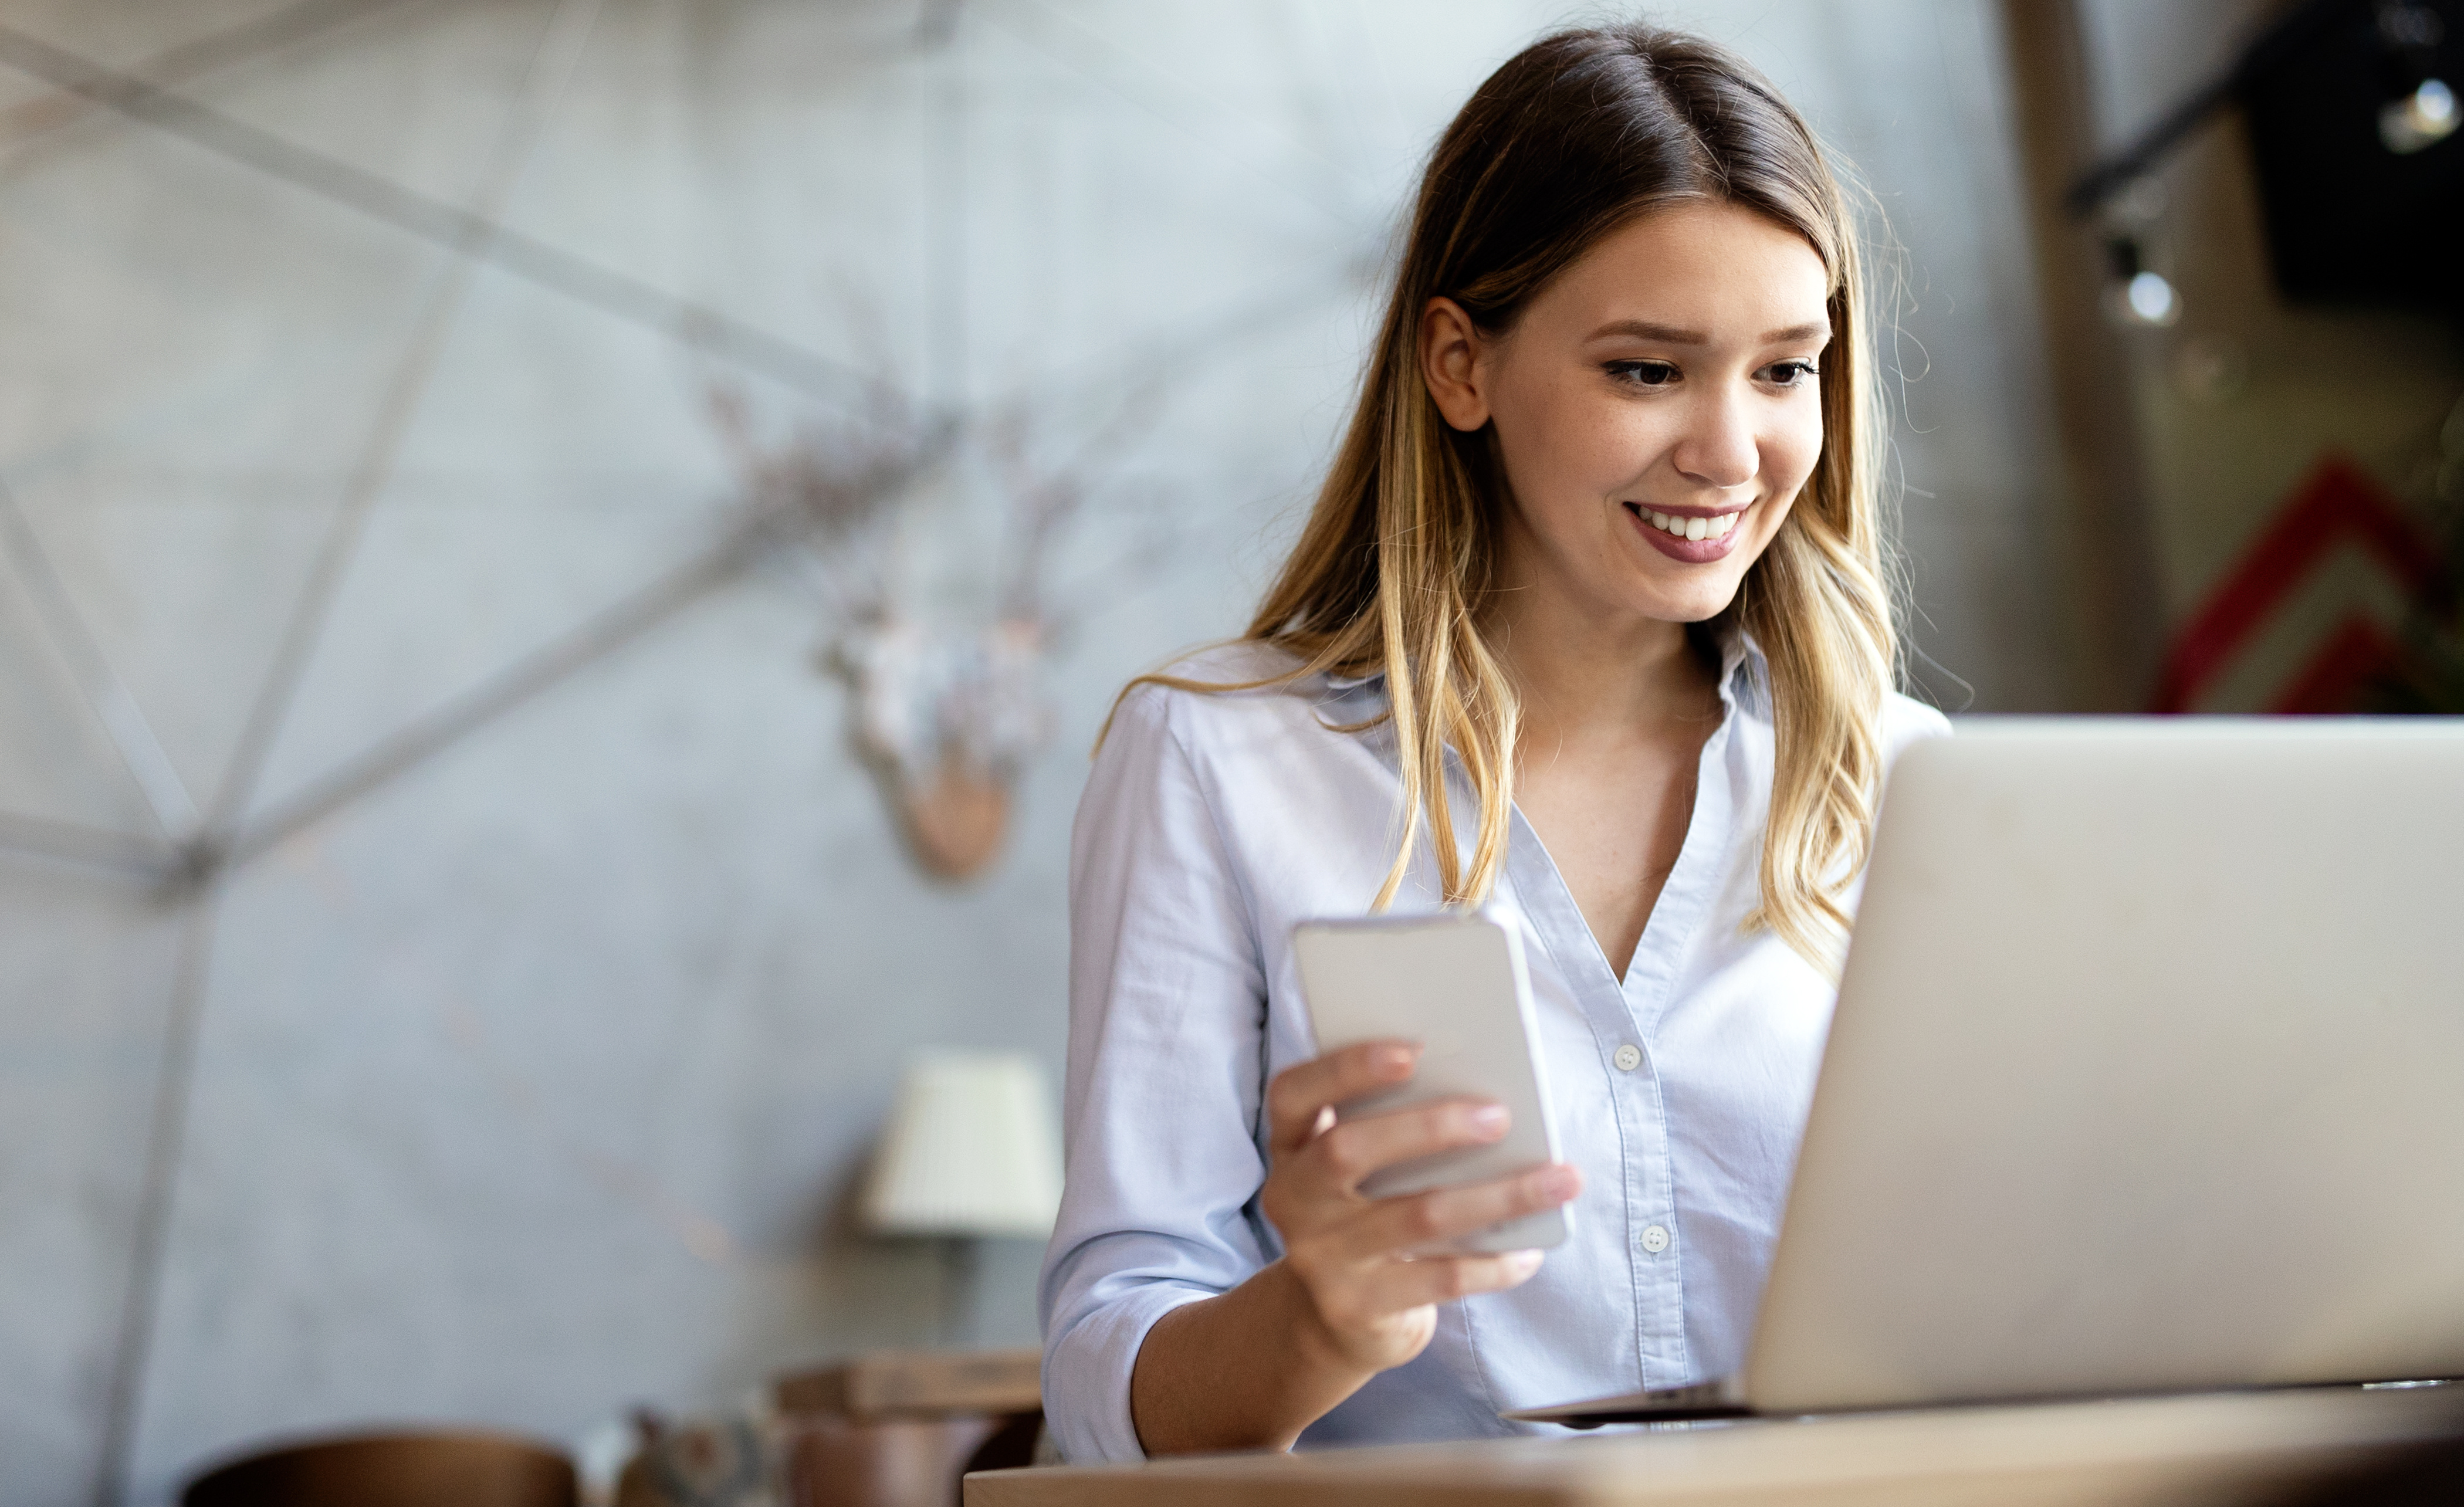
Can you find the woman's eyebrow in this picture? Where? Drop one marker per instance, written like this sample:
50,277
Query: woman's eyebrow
1645,330
1674,334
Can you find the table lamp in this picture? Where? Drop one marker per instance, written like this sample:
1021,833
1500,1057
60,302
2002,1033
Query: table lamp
972,1151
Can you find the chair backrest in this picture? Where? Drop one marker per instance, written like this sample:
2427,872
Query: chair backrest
407,1470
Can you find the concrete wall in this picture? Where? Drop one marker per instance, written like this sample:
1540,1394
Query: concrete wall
532,1083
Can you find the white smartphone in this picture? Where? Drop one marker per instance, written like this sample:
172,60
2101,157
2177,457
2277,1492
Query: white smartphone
1455,984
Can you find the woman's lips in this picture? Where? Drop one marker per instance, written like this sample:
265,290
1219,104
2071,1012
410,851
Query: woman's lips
1721,532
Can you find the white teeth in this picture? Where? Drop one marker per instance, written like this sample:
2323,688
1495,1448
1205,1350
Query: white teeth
1716,527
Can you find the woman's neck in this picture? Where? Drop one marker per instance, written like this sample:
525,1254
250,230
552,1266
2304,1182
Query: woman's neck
1582,674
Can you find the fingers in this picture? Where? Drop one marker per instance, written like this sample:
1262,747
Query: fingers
1356,1147
1364,1301
1298,1094
1444,1280
1392,1225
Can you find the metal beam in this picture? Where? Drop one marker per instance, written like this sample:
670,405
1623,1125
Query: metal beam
484,703
610,292
73,842
104,694
175,1081
553,59
175,66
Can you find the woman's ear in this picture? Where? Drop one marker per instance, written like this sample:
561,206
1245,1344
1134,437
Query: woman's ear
1452,363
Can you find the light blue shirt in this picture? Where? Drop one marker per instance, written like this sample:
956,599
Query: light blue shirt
1211,824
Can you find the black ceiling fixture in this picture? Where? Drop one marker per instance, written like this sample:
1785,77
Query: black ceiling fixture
2352,108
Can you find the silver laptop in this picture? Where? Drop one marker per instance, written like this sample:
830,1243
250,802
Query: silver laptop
2148,1076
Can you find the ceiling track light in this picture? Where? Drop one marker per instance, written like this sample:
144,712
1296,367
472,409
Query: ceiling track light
2134,293
2425,113
2351,118
2424,117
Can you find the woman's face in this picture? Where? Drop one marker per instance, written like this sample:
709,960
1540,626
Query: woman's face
1657,409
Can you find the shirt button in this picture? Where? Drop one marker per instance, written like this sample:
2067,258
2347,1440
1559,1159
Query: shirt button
1629,1056
1655,1240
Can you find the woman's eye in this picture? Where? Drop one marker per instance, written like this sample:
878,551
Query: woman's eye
1791,374
1643,374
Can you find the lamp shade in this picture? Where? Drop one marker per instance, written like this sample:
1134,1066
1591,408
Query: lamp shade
972,1149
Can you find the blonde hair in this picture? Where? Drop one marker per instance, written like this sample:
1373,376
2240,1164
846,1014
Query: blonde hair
1573,138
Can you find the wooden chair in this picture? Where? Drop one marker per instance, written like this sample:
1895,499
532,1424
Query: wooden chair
402,1469
887,1429
899,1430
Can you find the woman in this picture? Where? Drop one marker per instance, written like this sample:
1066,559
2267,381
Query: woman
1589,626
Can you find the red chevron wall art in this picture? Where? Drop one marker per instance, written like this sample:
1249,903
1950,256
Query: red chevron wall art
2335,503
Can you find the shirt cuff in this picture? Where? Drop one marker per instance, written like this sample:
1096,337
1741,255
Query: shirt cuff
1086,1373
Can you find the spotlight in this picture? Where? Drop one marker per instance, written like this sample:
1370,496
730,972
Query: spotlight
2353,113
2152,299
2424,117
2136,294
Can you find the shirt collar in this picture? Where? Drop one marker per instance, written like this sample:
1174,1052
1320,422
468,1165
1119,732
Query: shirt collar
1743,669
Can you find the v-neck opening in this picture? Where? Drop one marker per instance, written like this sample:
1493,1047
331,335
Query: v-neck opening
1689,859
1559,891
1734,651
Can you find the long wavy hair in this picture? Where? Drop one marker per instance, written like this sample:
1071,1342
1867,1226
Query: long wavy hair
1573,137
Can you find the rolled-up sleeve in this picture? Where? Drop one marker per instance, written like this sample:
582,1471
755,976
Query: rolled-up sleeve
1167,1017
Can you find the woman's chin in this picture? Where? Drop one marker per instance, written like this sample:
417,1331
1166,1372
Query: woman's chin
1698,599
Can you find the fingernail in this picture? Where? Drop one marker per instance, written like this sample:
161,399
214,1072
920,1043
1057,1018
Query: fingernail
1395,1058
1523,1263
1489,1121
1557,1184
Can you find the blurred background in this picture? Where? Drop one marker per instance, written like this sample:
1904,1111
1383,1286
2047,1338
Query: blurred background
559,560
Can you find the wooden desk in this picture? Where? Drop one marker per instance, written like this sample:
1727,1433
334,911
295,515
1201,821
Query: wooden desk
2207,1449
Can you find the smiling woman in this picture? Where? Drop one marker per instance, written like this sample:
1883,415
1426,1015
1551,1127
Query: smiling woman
1594,592
1683,419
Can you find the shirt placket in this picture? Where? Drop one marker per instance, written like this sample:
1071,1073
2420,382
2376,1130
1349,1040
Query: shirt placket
1622,1015
1651,980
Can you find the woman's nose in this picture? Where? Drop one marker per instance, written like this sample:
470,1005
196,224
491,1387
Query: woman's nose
1718,448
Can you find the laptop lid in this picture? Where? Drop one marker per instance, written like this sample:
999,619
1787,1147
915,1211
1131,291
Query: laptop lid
2148,1073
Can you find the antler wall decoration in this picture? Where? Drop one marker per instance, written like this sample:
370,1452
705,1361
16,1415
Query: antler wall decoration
946,714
